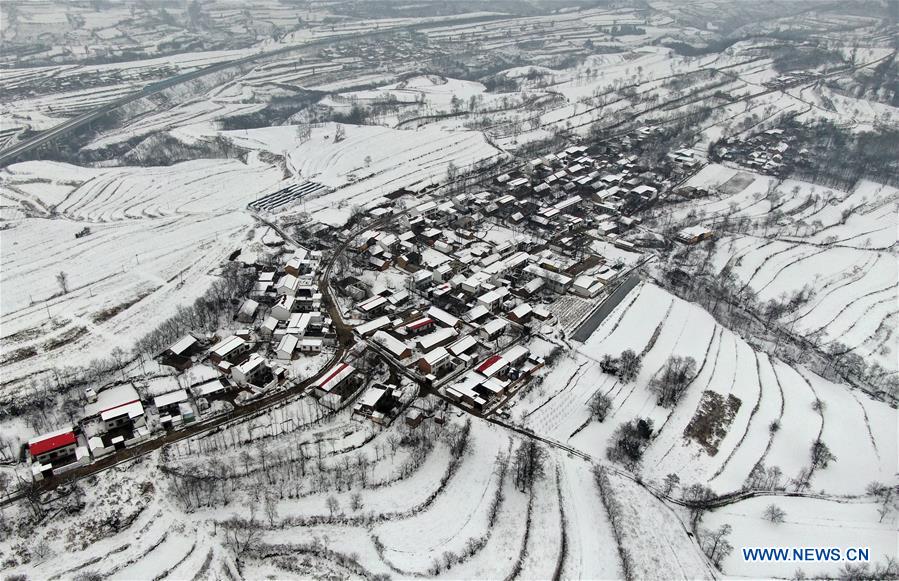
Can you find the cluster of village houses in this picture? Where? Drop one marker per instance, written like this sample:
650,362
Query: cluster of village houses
459,322
280,321
471,299
766,152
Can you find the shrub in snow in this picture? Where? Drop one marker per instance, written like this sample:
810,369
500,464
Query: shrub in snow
775,514
629,441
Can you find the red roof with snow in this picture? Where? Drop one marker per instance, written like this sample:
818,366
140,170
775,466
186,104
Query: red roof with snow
51,443
421,323
334,376
334,371
490,361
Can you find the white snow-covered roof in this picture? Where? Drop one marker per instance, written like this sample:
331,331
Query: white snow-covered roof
439,314
183,344
493,326
693,231
567,202
398,297
493,296
373,325
477,312
515,353
533,285
170,398
252,362
371,303
389,342
436,356
644,189
288,282
227,345
288,344
249,307
521,310
462,345
111,398
428,341
548,274
372,396
492,365
132,409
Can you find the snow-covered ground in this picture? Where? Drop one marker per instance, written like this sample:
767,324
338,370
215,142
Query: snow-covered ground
369,162
807,522
451,516
158,236
859,430
838,244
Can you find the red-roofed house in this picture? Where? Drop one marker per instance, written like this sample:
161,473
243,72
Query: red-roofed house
53,447
338,380
492,365
420,326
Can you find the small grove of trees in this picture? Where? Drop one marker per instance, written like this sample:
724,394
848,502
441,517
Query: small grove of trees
204,313
626,366
762,478
242,536
697,495
600,404
629,442
616,519
529,464
671,384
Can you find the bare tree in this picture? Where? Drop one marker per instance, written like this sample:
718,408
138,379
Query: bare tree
821,455
242,535
62,279
774,513
887,497
670,483
271,509
629,365
671,384
41,550
333,505
715,543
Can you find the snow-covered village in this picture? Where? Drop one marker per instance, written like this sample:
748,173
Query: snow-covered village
516,290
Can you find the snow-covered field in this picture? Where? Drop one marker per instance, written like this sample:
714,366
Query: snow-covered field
158,236
859,430
368,162
808,522
450,515
838,244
